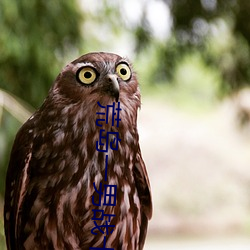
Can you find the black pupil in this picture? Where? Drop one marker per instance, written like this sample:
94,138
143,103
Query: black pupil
87,74
123,71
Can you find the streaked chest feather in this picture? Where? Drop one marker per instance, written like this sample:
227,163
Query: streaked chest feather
75,204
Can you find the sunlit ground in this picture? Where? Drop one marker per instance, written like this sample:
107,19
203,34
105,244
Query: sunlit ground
198,164
198,244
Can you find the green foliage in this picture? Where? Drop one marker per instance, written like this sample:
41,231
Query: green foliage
231,56
34,37
193,85
196,23
218,30
2,237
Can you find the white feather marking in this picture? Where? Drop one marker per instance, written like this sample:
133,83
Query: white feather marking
81,64
12,202
126,191
136,199
7,216
22,188
89,225
73,240
59,138
31,117
123,233
118,170
11,193
29,241
98,242
98,179
51,232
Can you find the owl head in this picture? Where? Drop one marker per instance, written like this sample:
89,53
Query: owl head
103,77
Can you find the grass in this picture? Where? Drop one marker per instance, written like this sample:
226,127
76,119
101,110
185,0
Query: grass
2,237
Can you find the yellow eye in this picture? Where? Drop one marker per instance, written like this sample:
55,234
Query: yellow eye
86,75
123,71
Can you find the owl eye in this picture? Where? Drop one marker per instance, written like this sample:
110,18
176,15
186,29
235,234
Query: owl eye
123,71
86,75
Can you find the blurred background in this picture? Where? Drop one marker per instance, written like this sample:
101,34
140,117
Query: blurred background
192,60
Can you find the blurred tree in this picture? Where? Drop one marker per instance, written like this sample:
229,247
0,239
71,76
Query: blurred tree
204,25
194,22
35,38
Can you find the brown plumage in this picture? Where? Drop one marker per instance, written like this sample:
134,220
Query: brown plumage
54,163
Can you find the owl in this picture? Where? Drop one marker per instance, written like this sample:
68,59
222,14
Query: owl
58,177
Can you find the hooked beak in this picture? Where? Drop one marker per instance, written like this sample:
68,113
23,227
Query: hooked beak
114,86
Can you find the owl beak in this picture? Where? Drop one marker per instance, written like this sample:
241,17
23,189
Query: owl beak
114,86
